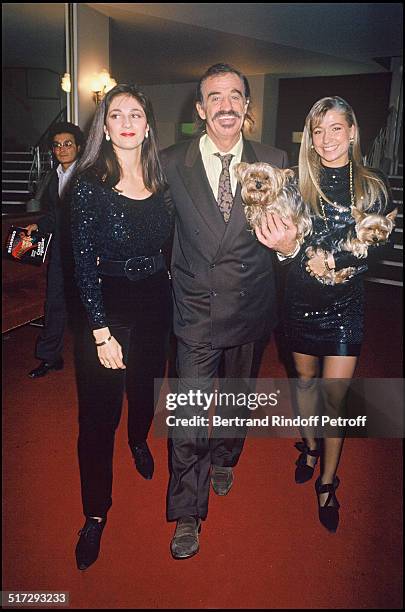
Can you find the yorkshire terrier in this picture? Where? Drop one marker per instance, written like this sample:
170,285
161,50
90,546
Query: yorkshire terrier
370,229
265,188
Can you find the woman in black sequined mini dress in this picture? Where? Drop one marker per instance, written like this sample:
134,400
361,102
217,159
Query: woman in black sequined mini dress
326,320
120,224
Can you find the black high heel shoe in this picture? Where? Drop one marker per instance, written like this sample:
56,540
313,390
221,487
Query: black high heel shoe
303,471
328,515
143,460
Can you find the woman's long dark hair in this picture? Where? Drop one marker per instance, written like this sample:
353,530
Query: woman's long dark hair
99,159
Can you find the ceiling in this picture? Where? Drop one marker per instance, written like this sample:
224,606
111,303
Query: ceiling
175,42
34,35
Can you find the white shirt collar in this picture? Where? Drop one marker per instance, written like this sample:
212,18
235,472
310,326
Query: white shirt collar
208,147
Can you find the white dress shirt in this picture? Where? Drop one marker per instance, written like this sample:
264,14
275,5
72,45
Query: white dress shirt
213,165
64,177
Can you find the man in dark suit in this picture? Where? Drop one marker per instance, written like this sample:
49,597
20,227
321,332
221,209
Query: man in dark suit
223,284
66,141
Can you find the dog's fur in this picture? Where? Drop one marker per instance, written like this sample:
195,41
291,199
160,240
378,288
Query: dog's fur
370,229
265,188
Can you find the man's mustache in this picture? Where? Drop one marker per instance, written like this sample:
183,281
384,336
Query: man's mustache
230,113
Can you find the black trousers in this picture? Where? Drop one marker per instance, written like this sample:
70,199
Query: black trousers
50,341
139,317
191,451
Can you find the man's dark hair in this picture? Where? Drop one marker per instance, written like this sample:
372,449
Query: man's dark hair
215,70
66,127
219,69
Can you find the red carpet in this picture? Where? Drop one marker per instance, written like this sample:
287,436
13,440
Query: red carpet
261,546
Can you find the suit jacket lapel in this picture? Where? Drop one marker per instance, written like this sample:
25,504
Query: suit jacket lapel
198,187
53,188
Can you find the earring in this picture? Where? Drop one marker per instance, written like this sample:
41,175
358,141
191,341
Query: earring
312,147
107,137
351,141
147,134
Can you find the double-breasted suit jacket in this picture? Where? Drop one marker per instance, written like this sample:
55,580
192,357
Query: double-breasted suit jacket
223,280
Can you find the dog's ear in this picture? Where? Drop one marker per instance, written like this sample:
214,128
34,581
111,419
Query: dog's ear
240,170
289,174
357,214
391,216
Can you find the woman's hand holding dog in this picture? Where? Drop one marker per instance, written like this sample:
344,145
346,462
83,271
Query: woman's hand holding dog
320,263
277,233
109,350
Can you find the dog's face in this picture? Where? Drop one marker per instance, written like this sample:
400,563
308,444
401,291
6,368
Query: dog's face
373,228
261,183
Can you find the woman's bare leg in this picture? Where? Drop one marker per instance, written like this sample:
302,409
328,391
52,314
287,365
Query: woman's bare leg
307,367
342,368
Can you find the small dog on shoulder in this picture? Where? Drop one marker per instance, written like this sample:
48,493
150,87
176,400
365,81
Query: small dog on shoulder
265,188
370,229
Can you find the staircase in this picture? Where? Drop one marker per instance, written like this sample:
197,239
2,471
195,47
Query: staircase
17,186
389,268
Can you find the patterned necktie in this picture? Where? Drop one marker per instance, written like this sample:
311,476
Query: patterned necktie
225,197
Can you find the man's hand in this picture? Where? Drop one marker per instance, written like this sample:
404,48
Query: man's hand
31,228
277,233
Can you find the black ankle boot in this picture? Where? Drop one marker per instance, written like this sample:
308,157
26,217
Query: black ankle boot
303,471
328,515
143,460
88,546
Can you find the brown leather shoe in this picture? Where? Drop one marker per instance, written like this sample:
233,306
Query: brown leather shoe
221,479
185,541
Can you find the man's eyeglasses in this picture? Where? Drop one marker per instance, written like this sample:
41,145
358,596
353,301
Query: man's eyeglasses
66,144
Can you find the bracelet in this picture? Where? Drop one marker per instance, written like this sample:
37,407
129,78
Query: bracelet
327,266
104,342
293,252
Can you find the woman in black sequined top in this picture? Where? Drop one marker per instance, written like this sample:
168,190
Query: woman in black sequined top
120,224
326,320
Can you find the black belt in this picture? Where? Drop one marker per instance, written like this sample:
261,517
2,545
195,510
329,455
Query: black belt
136,268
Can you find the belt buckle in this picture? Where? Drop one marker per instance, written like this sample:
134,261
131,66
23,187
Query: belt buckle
138,268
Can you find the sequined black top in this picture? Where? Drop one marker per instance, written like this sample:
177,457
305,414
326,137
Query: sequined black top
322,319
335,183
108,225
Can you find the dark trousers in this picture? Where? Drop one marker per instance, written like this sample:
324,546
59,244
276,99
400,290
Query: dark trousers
50,341
192,452
139,318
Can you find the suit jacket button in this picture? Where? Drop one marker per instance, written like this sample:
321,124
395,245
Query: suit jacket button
242,293
213,293
212,266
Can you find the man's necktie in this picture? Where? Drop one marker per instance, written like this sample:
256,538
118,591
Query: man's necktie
225,197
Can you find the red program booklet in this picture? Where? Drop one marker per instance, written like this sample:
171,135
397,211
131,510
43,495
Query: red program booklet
27,249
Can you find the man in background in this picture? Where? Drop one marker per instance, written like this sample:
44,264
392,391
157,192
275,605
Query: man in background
66,141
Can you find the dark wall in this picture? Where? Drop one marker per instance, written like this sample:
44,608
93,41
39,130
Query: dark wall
368,94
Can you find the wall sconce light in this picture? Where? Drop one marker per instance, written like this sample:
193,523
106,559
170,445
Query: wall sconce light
101,84
65,83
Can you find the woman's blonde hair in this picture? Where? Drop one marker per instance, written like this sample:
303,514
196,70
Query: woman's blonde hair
368,187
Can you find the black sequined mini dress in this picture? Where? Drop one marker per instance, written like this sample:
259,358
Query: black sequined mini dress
324,319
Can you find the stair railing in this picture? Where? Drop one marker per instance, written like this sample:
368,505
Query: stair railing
381,148
384,152
40,151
